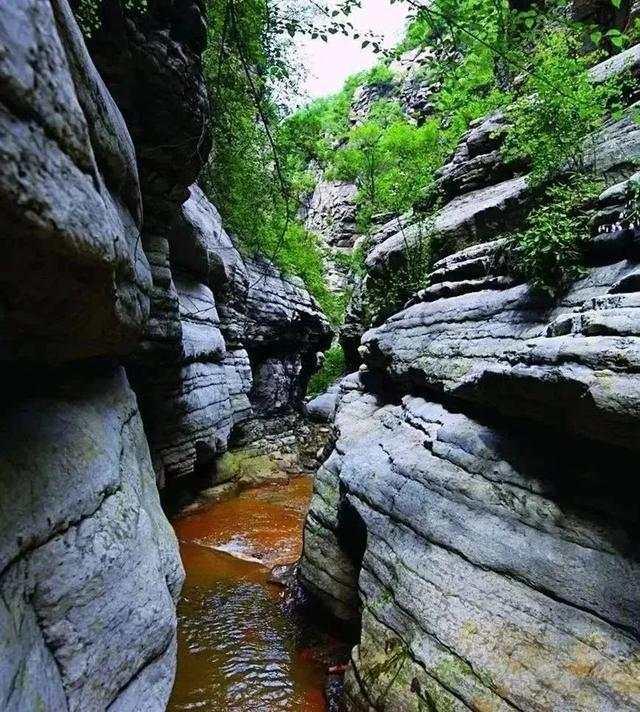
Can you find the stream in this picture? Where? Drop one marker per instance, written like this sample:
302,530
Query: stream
242,645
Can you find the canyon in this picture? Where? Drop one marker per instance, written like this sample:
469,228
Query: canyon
475,507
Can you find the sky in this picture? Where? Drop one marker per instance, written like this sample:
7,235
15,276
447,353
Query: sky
329,64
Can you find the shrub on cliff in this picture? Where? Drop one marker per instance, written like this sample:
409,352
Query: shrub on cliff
386,294
333,367
548,251
558,109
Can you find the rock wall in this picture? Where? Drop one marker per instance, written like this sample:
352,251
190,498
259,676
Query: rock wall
210,306
477,518
89,569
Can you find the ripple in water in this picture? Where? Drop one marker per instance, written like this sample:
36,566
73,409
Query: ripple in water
237,648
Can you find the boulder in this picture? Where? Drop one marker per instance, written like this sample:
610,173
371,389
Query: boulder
322,408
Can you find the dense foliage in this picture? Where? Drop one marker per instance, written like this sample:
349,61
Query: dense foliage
247,177
557,109
392,158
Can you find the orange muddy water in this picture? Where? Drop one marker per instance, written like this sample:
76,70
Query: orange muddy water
239,648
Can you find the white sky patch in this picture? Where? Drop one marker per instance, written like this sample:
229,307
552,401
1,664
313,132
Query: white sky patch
328,64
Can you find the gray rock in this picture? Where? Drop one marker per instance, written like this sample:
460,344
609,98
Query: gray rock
190,415
353,328
485,543
285,330
89,570
471,216
627,61
367,95
71,205
445,290
280,310
201,246
331,212
200,324
454,539
615,151
276,384
323,407
164,102
477,162
494,347
239,382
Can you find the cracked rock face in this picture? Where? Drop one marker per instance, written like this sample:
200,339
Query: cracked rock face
493,565
89,566
477,518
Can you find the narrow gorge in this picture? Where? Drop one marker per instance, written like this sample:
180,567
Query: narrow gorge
369,369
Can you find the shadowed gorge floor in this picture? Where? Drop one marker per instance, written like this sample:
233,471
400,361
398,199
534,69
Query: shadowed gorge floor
239,648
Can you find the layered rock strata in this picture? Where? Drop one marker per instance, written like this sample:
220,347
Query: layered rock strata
485,196
477,516
209,305
491,565
89,569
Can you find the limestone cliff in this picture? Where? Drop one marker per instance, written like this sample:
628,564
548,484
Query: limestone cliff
477,516
90,570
